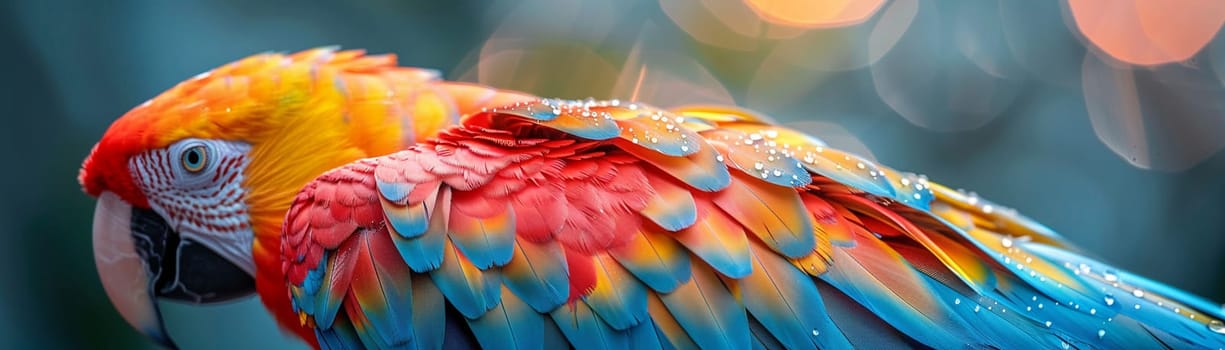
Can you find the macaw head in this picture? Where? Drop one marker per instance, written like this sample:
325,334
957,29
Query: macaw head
192,185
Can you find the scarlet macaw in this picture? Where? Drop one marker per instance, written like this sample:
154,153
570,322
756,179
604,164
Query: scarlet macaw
349,194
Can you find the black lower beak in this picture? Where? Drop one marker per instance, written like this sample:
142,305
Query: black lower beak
183,270
140,259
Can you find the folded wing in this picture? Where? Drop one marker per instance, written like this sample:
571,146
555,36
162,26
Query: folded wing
601,224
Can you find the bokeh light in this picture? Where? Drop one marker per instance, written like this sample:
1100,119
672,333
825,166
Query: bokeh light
1148,32
815,13
1168,117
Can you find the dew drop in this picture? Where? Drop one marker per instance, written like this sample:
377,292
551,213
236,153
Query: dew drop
957,301
1109,300
1101,333
1138,293
758,165
1110,277
1048,324
1006,241
816,332
1216,326
976,308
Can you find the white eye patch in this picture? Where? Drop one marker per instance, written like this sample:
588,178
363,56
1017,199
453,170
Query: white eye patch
196,185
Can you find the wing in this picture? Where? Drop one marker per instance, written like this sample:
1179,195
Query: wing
614,225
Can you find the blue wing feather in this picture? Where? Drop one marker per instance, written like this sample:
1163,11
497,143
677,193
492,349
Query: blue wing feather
709,312
585,330
471,290
510,325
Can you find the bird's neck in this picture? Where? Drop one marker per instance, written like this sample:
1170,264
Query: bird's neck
335,131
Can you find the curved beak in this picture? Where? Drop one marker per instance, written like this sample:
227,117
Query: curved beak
141,259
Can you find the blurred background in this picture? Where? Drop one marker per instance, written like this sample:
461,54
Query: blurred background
1102,119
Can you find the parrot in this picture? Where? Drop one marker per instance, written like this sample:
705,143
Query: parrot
370,205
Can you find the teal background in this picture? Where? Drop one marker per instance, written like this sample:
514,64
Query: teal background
70,67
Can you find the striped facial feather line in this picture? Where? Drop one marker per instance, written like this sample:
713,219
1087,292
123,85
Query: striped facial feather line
208,205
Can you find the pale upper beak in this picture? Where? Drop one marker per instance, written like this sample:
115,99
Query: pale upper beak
140,258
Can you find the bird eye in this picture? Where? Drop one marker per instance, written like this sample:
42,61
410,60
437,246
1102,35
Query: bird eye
195,158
